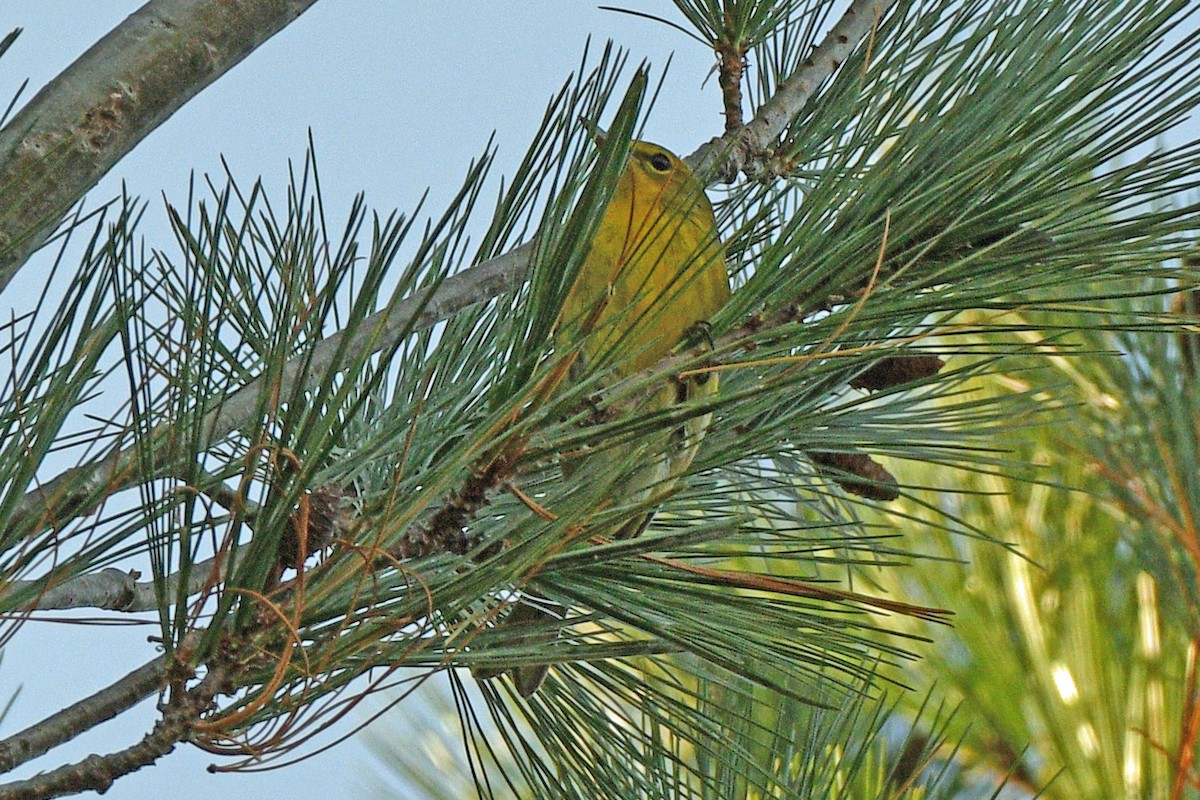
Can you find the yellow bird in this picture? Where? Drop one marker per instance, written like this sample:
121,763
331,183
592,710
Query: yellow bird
654,270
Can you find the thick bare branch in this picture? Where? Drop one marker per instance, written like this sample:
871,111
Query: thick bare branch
84,715
98,773
86,119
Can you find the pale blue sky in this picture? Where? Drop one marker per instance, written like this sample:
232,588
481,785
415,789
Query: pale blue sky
399,97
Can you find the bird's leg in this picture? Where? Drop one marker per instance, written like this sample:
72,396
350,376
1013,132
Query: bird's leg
699,334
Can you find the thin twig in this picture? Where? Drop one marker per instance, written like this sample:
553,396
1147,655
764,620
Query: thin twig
112,589
732,65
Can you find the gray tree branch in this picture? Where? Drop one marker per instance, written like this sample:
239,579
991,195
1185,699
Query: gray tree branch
86,119
725,156
112,589
83,715
98,773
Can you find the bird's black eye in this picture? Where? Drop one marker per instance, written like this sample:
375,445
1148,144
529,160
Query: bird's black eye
660,162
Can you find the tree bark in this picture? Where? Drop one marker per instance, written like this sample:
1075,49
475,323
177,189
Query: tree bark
86,119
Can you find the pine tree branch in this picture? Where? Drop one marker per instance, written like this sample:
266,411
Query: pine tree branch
94,112
83,715
98,773
71,493
112,589
854,472
727,155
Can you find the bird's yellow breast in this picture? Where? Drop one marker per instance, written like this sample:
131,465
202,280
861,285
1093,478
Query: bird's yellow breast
654,268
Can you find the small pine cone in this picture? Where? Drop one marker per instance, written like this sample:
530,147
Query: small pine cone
897,371
857,473
330,517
